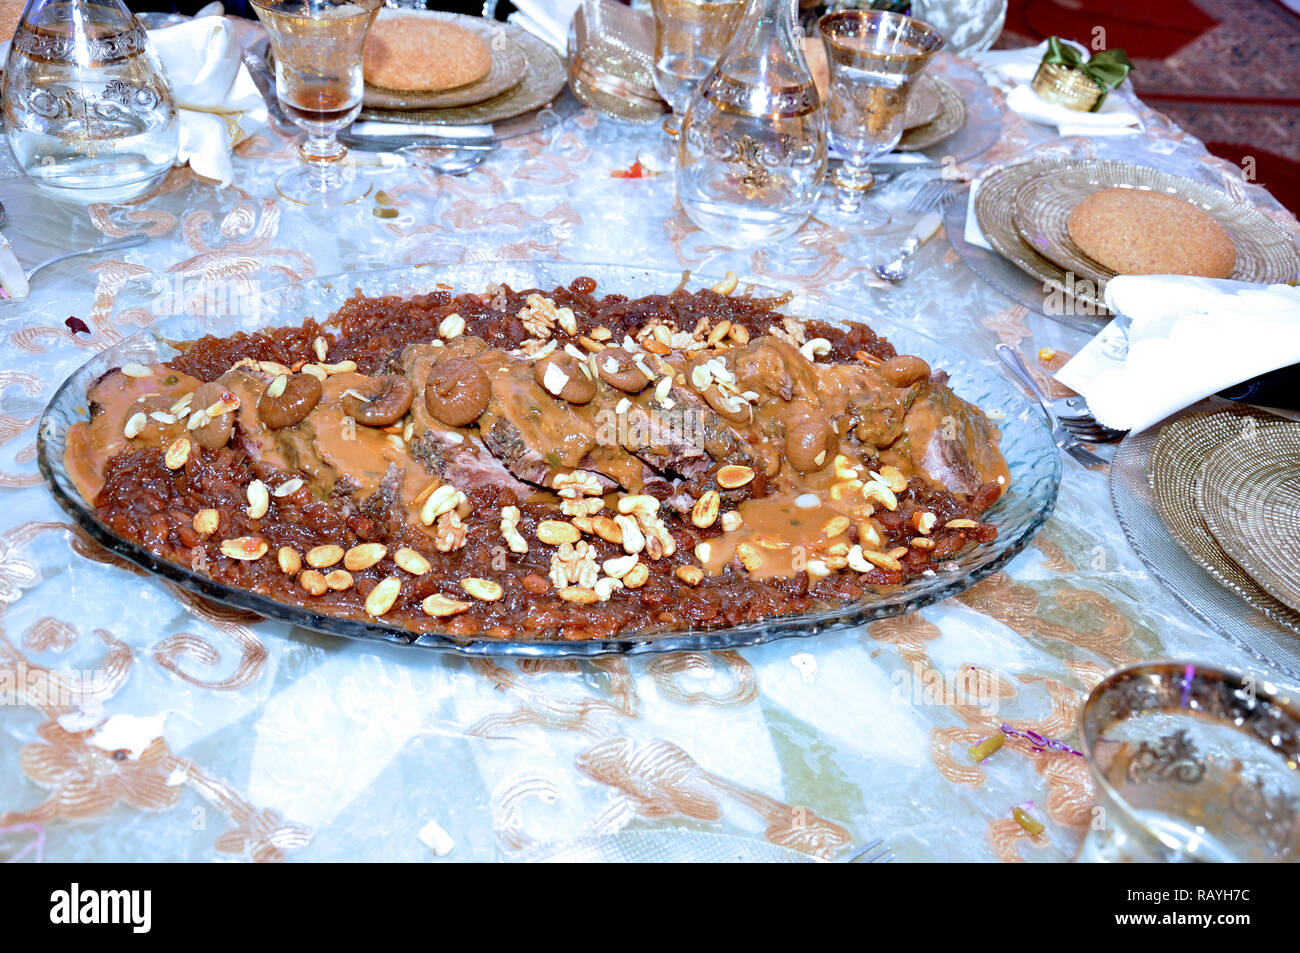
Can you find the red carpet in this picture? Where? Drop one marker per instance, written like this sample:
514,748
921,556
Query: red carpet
1154,30
1227,71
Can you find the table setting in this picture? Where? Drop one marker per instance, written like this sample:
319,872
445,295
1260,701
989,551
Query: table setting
312,324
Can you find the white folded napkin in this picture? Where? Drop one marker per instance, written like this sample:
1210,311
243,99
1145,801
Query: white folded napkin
218,103
546,19
974,235
1012,71
1186,338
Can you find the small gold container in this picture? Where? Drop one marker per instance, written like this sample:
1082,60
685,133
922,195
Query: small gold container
1068,87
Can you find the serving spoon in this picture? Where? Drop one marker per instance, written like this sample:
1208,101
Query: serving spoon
16,281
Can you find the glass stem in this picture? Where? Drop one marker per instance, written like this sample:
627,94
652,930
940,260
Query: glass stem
323,154
852,182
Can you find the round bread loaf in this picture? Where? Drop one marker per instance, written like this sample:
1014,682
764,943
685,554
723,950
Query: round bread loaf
417,54
1133,232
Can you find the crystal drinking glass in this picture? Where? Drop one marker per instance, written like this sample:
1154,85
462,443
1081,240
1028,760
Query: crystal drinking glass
690,35
875,58
1192,764
318,78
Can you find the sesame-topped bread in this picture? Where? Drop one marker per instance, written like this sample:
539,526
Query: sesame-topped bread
1134,232
415,54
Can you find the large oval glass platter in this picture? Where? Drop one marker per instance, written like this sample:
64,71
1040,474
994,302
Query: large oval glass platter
1026,444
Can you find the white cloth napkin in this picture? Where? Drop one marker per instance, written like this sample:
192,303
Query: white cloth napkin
1012,71
974,235
1186,338
218,103
546,19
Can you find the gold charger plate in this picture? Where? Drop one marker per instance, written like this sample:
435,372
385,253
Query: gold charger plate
1265,252
951,117
507,71
1248,491
543,79
923,103
1176,460
995,203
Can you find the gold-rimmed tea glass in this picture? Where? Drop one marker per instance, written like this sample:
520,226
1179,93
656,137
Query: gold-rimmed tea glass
875,59
690,36
319,81
1193,764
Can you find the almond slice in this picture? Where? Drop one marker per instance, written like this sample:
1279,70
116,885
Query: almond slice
440,607
321,557
484,589
705,511
206,522
734,476
247,548
363,556
383,596
557,532
411,561
177,454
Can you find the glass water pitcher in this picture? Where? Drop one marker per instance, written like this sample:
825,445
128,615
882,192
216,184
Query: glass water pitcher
87,108
751,156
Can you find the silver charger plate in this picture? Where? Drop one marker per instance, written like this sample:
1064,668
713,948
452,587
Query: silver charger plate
1265,252
1011,281
1248,491
1221,611
995,206
1181,450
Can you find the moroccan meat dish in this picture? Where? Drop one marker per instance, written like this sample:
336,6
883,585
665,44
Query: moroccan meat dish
544,464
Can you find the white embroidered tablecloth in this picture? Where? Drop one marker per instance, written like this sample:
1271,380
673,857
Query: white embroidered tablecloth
271,743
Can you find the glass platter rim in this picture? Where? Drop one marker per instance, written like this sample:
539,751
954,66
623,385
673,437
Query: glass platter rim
69,398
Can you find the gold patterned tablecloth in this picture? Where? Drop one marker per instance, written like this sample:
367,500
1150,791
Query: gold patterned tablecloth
270,743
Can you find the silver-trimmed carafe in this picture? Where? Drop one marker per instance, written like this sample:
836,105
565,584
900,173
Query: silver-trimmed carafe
87,107
751,156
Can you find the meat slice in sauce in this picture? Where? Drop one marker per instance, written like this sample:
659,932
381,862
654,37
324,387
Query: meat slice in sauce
687,439
950,442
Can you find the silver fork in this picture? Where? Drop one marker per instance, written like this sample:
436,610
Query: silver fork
1060,436
937,193
1076,417
877,852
